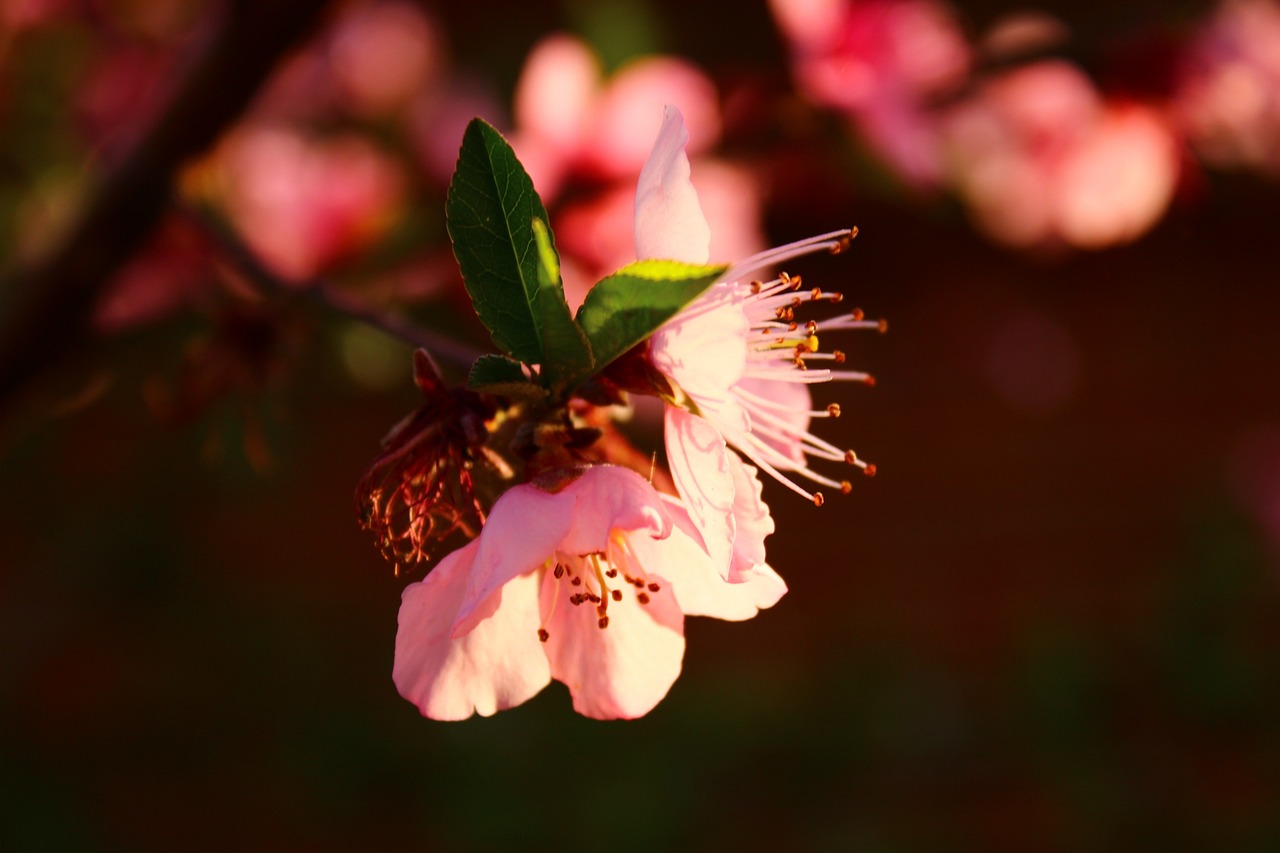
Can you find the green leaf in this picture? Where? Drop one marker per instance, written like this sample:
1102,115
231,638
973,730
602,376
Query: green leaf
565,351
625,308
497,374
489,212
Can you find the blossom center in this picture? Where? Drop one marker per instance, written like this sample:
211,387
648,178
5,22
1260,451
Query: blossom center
596,579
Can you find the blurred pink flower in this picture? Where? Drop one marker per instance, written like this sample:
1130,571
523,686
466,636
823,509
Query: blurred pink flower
1228,96
737,353
1041,158
587,582
381,54
305,203
596,234
571,120
881,62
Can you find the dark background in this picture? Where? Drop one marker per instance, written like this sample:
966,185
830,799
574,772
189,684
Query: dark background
1050,622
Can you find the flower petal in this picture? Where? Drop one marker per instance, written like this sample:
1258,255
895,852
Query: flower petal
703,349
792,403
498,665
699,589
699,462
527,526
522,532
609,498
669,220
751,518
620,671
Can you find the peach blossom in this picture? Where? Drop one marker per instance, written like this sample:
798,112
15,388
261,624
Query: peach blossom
586,582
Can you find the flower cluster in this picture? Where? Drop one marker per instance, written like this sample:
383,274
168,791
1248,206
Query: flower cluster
583,558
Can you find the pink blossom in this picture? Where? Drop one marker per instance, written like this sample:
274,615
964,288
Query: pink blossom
1228,96
304,203
1041,158
880,62
572,120
737,355
587,582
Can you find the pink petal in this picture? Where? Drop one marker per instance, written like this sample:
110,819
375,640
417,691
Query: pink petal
498,665
609,498
794,401
523,530
703,349
752,521
699,589
669,221
527,526
699,464
620,671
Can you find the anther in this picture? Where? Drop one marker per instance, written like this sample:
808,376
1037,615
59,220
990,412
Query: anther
845,487
784,278
642,597
818,499
837,356
812,327
796,282
612,573
616,594
575,599
791,327
796,302
870,382
834,410
837,298
543,636
884,326
858,315
870,470
639,584
653,587
850,457
576,581
812,343
755,286
559,571
603,622
816,293
602,609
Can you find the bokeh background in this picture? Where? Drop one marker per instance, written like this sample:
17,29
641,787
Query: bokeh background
1049,623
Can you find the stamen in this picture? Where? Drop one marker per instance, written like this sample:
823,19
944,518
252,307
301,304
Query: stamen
543,636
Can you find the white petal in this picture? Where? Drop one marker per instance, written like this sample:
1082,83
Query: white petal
669,220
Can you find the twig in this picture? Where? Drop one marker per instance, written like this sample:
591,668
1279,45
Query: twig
331,296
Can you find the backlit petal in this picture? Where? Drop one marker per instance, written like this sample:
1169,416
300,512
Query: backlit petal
669,220
498,665
623,670
699,463
700,591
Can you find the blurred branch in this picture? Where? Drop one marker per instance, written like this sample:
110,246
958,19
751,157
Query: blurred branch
336,298
49,305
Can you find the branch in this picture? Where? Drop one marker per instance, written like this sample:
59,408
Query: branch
243,258
49,305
